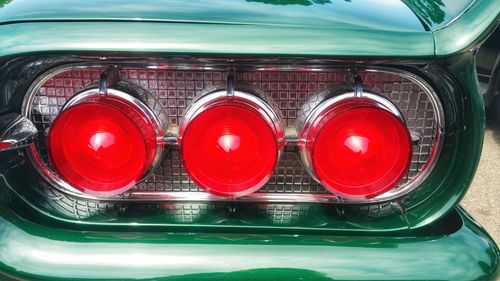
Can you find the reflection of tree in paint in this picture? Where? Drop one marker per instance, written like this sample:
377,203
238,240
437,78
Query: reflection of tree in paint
430,10
4,2
295,2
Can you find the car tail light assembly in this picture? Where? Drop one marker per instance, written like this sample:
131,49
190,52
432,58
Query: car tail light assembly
231,142
356,145
254,135
104,143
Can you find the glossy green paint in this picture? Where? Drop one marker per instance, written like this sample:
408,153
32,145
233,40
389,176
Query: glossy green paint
390,15
463,142
467,31
255,27
29,251
366,14
198,38
438,13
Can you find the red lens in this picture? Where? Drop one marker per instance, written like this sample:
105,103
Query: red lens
360,152
5,144
229,150
102,146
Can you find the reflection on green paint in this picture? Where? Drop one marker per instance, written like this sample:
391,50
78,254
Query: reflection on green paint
36,252
263,274
4,2
384,15
429,11
294,2
438,13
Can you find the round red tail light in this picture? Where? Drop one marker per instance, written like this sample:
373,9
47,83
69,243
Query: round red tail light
103,144
230,145
356,147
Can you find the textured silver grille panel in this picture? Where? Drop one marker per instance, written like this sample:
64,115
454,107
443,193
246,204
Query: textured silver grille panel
174,89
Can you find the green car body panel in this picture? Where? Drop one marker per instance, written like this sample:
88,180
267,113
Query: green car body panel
437,38
338,29
40,253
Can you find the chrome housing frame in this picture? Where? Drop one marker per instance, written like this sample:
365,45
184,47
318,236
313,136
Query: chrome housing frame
94,92
240,95
336,97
